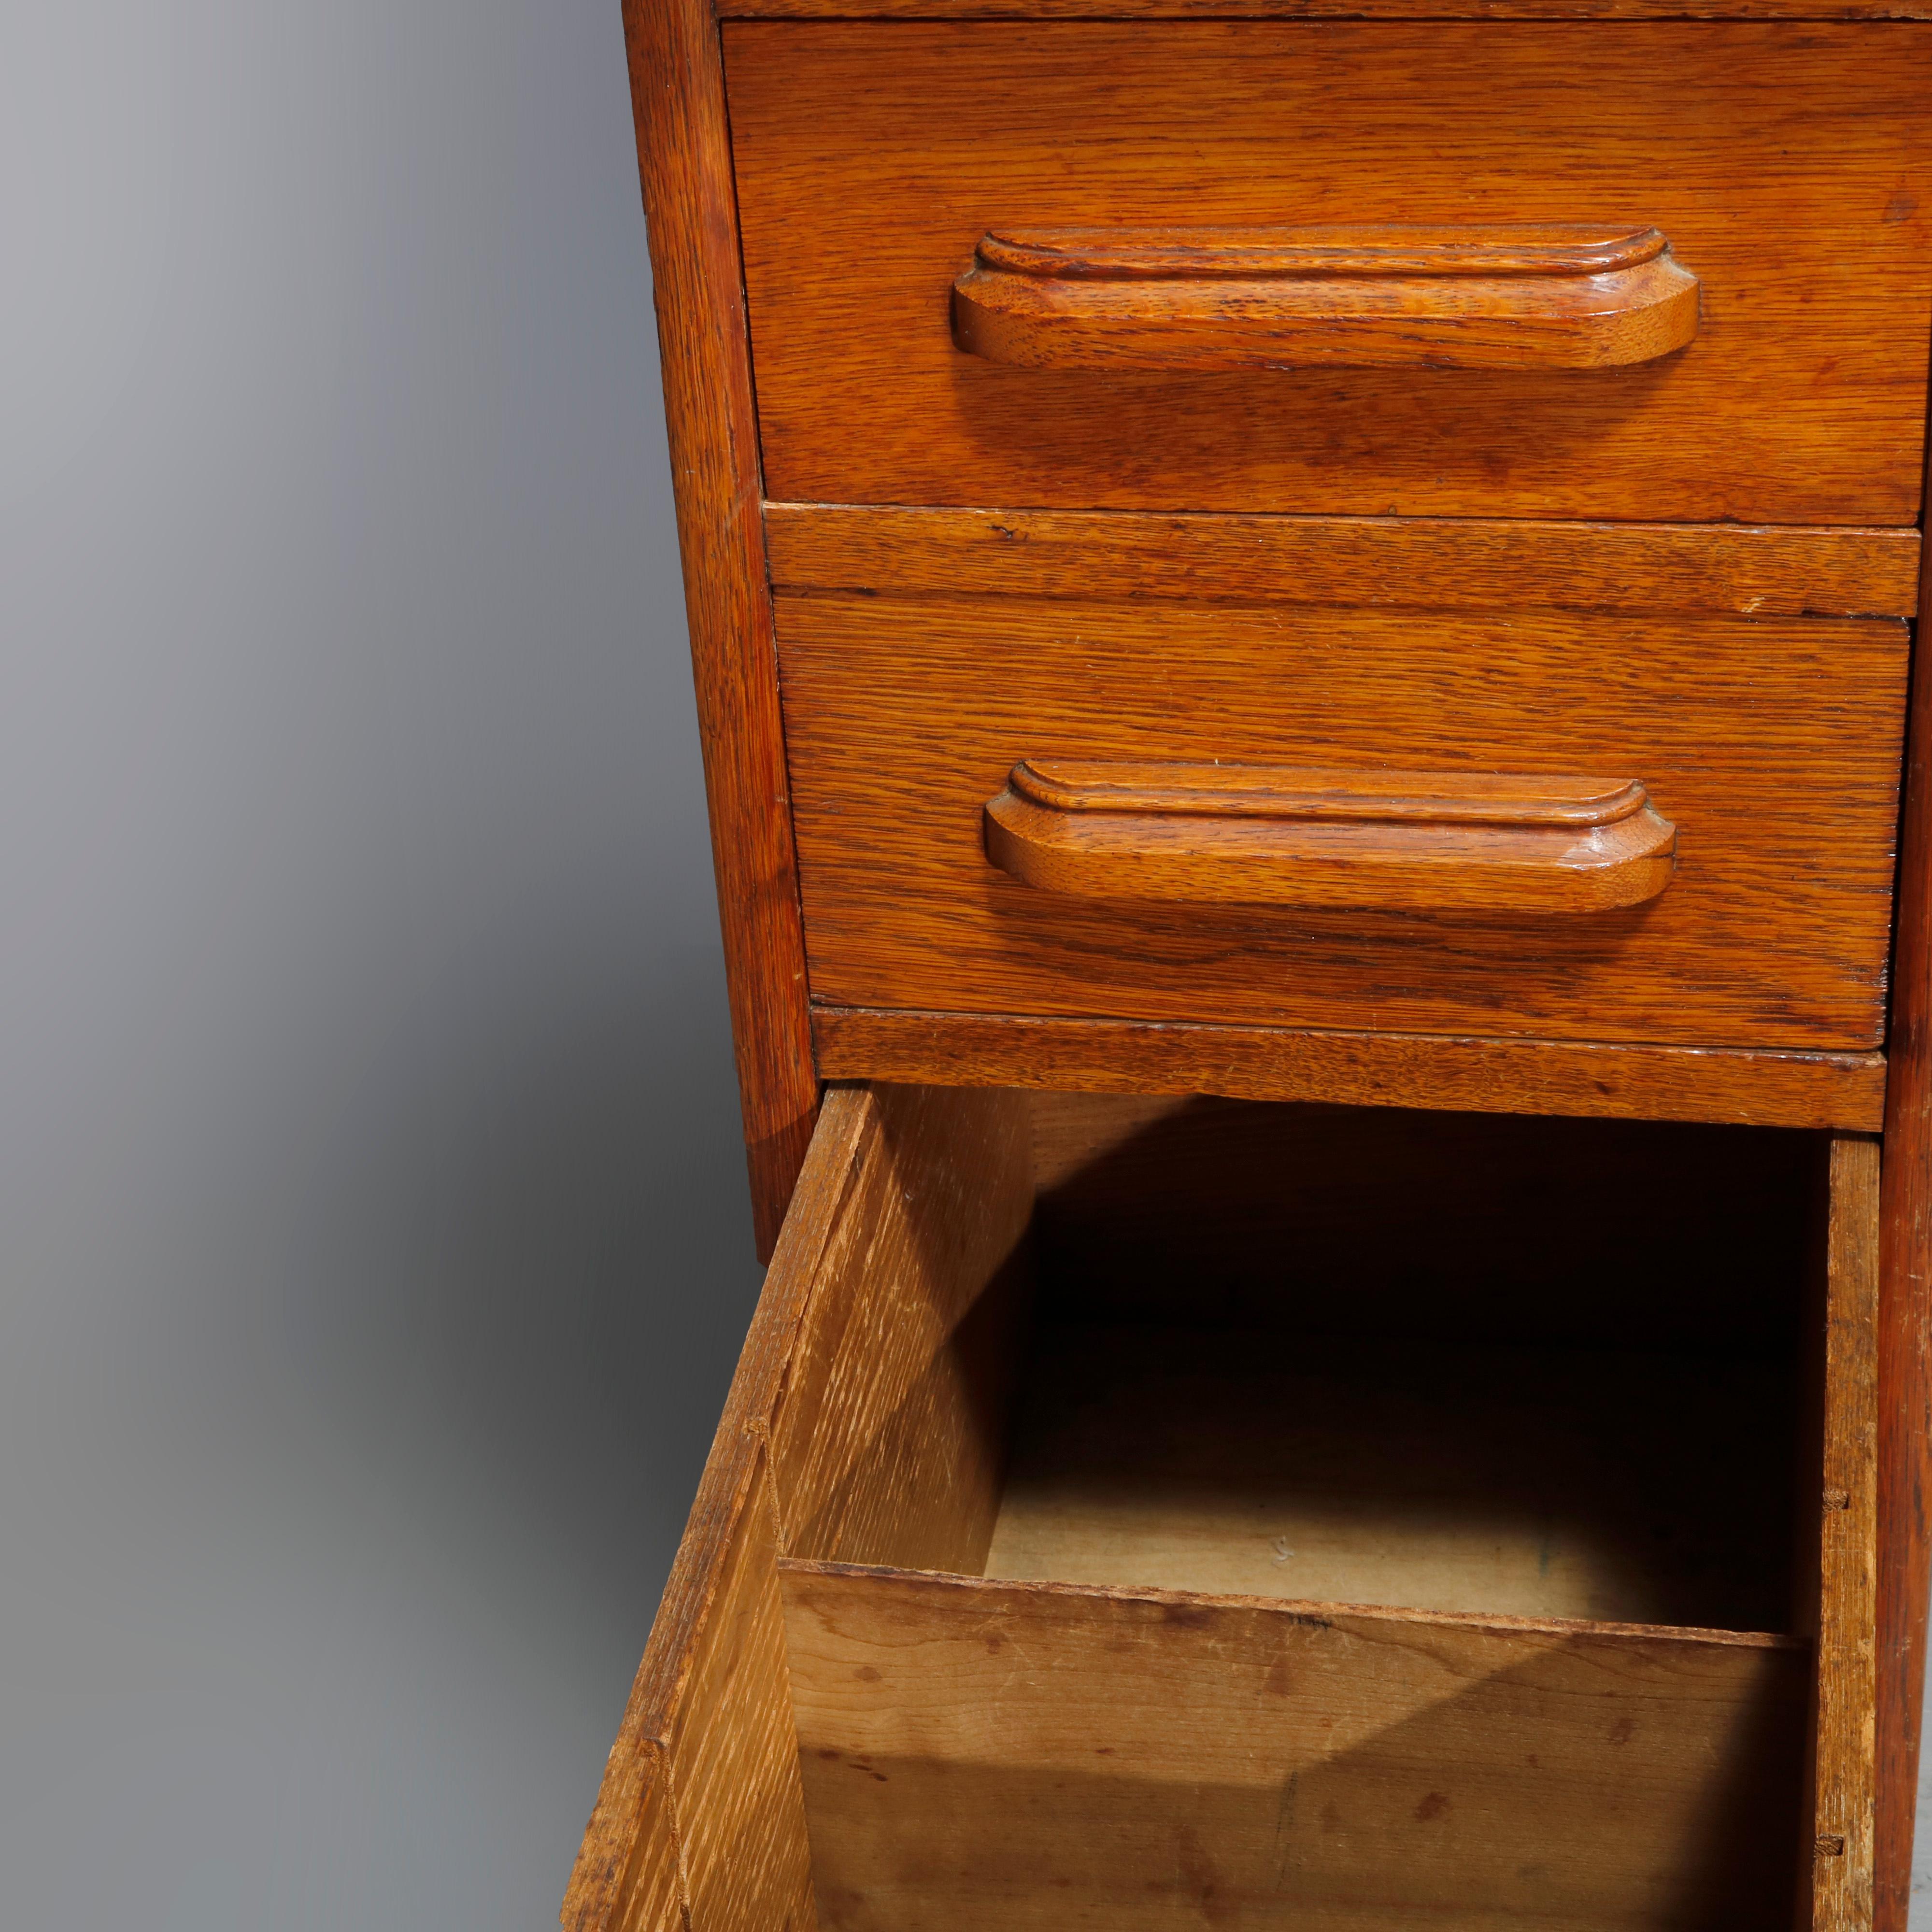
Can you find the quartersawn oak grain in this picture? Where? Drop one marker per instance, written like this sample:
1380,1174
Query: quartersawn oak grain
1371,1069
1791,168
996,1756
888,1439
1772,746
612,1883
685,152
653,1897
905,1196
1417,563
743,1850
1552,296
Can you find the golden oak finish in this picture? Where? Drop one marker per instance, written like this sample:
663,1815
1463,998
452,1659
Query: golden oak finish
1556,296
1771,746
684,149
1423,563
1791,169
1905,1343
1357,563
1905,1346
1297,835
1365,1069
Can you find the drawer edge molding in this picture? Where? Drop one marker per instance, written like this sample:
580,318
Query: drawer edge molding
1459,1073
1421,563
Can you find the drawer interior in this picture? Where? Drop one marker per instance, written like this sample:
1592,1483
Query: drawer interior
1167,1512
1305,1514
1631,1487
1546,1368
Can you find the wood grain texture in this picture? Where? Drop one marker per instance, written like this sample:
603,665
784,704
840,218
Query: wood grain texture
684,147
866,1412
702,1786
1226,834
888,1443
1366,10
903,718
1793,169
1425,563
626,1878
1612,1481
732,1746
618,1864
1478,1076
653,1898
1538,297
1905,1343
1843,1868
996,1756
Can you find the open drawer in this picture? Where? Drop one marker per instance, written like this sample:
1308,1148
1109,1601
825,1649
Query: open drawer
1154,1513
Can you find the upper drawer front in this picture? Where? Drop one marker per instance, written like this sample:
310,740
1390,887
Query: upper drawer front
1790,168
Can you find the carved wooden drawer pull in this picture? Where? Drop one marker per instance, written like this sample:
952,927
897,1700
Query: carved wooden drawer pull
1315,836
1543,295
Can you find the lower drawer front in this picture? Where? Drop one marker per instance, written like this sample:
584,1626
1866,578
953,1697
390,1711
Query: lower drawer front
1150,1513
1772,747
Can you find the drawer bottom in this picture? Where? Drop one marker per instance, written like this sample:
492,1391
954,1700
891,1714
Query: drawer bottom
1155,1512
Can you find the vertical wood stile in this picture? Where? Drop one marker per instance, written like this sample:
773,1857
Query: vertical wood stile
684,146
1905,1340
1844,1851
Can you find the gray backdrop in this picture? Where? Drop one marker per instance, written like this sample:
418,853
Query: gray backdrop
374,1246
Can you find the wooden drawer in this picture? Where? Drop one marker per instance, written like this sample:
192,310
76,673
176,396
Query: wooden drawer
1790,166
1772,747
1075,1548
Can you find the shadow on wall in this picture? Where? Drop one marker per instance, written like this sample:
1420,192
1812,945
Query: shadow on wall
537,1293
